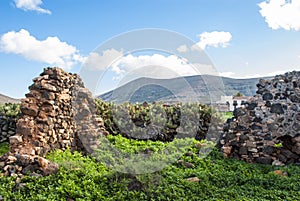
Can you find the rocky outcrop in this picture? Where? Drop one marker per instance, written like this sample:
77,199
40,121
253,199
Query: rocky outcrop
57,113
267,129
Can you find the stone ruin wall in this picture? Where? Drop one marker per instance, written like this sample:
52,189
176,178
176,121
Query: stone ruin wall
267,129
57,113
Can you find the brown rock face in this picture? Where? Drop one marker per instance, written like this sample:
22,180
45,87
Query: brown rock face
57,113
267,129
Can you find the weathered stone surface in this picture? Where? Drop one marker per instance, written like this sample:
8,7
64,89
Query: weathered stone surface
193,179
267,129
267,96
7,127
264,160
277,108
57,113
31,110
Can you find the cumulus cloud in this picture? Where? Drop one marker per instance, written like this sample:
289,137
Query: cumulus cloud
156,64
214,39
120,68
96,61
31,5
51,50
281,14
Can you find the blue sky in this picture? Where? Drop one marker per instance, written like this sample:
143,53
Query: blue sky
251,38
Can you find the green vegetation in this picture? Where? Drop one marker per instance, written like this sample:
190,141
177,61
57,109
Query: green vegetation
238,94
131,120
4,148
10,110
83,178
278,145
226,115
89,178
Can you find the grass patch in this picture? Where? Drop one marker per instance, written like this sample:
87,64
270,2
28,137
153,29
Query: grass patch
83,178
4,148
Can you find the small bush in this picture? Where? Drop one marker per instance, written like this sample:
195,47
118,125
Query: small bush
156,121
10,110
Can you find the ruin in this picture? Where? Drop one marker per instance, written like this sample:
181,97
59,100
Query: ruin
57,113
267,129
60,113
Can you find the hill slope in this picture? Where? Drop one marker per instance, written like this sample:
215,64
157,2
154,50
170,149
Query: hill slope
6,99
148,89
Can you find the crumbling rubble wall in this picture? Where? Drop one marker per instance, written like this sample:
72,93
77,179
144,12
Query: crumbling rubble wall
267,129
57,113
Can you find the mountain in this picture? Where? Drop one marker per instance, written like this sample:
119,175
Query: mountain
183,88
6,99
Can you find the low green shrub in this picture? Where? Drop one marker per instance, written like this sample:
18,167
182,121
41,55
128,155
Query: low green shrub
10,110
157,121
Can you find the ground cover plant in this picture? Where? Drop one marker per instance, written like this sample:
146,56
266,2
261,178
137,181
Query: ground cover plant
83,178
4,147
191,176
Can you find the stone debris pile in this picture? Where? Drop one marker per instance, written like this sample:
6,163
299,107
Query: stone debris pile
267,129
57,113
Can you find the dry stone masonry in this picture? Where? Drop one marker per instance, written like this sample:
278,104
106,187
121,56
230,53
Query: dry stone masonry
7,127
57,113
267,129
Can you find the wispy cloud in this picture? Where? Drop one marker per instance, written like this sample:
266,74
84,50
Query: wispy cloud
281,14
182,48
51,50
31,5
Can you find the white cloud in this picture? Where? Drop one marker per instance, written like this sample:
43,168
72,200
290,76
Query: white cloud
281,13
214,39
155,65
182,49
102,61
31,5
51,50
